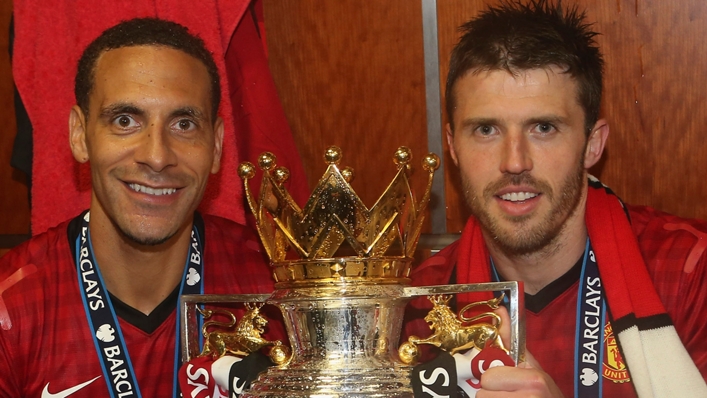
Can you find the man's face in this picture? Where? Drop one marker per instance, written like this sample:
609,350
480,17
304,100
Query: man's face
150,139
520,144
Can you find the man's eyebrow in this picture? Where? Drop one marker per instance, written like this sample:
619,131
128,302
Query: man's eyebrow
552,119
117,109
477,121
188,111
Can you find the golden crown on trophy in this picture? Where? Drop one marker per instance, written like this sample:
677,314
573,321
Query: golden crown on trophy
303,244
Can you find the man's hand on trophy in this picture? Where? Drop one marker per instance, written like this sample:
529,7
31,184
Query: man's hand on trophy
228,376
526,380
457,375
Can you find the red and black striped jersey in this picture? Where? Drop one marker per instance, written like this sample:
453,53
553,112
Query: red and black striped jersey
45,341
673,249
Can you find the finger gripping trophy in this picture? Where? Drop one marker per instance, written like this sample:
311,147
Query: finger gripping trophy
342,283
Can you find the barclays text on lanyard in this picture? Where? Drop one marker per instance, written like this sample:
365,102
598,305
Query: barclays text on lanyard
107,336
591,318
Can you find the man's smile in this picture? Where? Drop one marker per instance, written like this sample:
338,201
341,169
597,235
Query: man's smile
518,196
517,200
151,191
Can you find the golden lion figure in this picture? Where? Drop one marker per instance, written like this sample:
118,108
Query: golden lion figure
450,333
245,339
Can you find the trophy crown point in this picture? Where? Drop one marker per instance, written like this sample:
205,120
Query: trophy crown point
402,156
332,154
348,174
246,170
281,175
430,163
266,161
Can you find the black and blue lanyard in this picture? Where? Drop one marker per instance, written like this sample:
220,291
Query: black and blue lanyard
591,318
105,328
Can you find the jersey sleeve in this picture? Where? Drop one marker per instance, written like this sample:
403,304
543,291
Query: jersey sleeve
9,274
691,310
674,250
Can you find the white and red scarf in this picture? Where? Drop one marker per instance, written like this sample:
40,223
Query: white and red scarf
657,360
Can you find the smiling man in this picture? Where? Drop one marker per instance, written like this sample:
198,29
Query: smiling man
89,308
613,292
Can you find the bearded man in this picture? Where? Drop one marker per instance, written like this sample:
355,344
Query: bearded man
613,292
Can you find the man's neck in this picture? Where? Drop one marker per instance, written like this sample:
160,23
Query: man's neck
540,268
140,276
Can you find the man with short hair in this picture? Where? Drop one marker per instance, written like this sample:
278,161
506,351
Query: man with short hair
613,292
89,307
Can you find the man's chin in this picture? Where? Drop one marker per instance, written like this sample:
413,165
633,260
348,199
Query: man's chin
150,230
149,241
520,236
526,245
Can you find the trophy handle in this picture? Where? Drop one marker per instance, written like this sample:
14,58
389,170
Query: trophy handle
451,336
244,339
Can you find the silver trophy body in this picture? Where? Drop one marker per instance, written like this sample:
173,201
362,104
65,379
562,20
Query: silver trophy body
344,340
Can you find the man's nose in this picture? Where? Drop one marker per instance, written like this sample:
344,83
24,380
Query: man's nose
156,149
516,157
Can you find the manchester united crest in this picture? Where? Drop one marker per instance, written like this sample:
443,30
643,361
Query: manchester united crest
614,367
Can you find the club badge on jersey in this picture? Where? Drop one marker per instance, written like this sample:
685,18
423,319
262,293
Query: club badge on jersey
614,367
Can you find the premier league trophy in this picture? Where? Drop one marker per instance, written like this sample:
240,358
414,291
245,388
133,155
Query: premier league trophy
343,311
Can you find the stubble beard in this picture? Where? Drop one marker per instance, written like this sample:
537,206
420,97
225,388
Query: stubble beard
147,241
136,236
522,239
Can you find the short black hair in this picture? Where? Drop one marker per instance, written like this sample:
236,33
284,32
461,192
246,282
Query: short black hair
143,32
516,37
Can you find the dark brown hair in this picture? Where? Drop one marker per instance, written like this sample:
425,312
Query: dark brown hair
515,37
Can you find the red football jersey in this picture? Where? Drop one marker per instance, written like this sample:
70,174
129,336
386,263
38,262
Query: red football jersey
550,338
673,249
46,345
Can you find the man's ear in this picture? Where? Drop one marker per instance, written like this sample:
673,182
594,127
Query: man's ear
218,145
77,134
595,143
450,143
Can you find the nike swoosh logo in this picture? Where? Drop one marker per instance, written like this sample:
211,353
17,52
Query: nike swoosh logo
68,391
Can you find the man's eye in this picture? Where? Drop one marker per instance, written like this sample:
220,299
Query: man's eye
545,128
125,121
185,124
485,130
